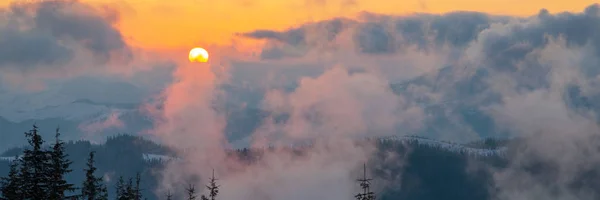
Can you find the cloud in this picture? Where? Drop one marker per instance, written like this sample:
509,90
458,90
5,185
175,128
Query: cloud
338,104
190,117
307,36
562,141
111,121
382,34
58,38
533,67
534,78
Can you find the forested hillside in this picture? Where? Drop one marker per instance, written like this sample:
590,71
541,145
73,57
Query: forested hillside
416,174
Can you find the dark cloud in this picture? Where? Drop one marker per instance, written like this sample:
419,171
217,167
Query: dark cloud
480,49
28,48
500,42
51,33
304,37
377,34
78,22
374,38
292,36
516,40
274,53
299,35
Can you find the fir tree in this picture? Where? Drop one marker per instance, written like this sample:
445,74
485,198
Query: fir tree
127,191
213,188
59,167
11,189
120,188
103,193
34,171
191,192
137,192
365,184
93,187
129,194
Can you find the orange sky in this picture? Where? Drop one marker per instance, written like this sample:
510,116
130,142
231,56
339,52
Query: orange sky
183,23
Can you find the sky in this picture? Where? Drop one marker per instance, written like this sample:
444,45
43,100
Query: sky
197,22
203,21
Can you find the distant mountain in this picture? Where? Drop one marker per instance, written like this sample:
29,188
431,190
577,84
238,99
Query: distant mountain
11,133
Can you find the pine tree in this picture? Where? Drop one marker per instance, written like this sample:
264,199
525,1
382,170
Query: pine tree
365,184
93,187
191,192
137,192
11,189
59,167
213,188
129,190
34,171
120,188
103,193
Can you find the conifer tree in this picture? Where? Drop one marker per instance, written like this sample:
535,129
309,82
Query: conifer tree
59,164
191,192
137,192
93,187
120,188
103,193
34,173
365,184
10,188
129,190
213,188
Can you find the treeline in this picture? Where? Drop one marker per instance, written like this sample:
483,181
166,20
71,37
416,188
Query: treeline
39,174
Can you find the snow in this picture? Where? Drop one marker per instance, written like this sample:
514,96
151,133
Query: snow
449,146
9,159
156,157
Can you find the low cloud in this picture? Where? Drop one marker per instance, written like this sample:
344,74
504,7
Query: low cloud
112,121
338,104
332,109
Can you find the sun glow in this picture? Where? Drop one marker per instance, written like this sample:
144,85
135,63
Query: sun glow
198,55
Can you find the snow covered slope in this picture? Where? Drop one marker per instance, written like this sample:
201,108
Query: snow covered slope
449,146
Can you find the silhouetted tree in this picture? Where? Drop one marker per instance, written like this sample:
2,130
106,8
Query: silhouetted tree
366,186
59,168
93,187
191,192
213,188
120,188
34,172
129,193
11,189
137,192
103,193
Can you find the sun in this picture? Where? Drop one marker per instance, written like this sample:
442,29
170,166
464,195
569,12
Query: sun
198,55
